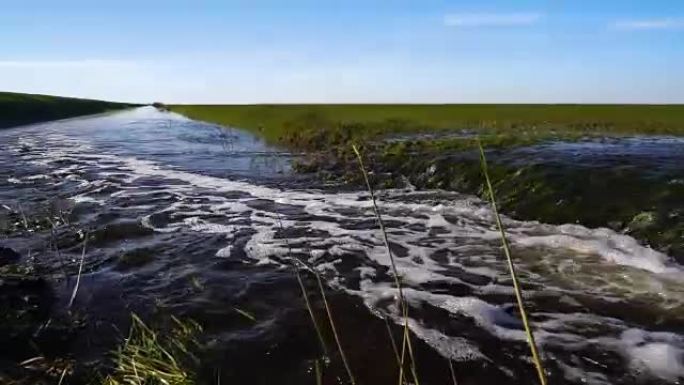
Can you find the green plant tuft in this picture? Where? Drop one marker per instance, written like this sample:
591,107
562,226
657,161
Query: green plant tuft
150,358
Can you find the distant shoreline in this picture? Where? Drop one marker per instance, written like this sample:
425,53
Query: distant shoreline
17,109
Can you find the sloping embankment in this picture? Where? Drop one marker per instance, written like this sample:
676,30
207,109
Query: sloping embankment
599,181
18,109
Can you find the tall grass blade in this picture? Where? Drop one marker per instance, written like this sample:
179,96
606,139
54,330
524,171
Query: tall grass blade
305,294
61,377
516,285
453,373
319,373
402,375
55,246
394,344
334,328
245,314
23,217
402,301
80,270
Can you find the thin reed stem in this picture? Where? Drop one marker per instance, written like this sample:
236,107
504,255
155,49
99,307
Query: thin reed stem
400,362
23,217
327,309
391,337
61,377
80,270
453,372
402,375
305,294
397,280
516,285
55,246
319,373
311,313
334,328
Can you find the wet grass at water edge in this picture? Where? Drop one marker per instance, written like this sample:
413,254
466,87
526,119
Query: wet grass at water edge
435,147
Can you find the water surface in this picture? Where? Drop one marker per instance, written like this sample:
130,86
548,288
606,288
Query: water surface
192,219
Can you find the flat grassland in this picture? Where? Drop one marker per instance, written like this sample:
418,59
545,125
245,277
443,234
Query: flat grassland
292,124
17,109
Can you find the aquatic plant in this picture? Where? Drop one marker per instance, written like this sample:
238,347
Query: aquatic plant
150,358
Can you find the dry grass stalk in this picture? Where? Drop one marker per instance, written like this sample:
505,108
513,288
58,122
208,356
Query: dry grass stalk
511,267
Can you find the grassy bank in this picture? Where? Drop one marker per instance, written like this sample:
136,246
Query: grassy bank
17,109
279,123
437,148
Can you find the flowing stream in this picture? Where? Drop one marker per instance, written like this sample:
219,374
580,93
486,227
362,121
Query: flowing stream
212,218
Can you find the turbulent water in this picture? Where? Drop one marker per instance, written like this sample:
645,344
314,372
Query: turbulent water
223,218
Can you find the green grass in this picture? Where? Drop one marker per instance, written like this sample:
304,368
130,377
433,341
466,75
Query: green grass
292,124
150,358
18,109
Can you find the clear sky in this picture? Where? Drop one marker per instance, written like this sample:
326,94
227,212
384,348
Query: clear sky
423,51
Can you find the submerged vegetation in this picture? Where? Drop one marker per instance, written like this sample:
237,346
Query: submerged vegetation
17,109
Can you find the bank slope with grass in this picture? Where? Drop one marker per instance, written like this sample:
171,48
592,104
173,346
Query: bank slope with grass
435,146
17,109
277,123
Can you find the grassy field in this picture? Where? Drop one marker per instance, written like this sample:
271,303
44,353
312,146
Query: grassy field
287,124
18,109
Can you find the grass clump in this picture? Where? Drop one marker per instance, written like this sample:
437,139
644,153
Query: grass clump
150,358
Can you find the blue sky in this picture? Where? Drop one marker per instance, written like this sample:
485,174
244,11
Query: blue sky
423,51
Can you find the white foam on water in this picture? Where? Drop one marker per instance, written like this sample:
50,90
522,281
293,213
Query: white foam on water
490,317
85,199
460,226
225,252
578,375
455,348
611,246
660,354
37,177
